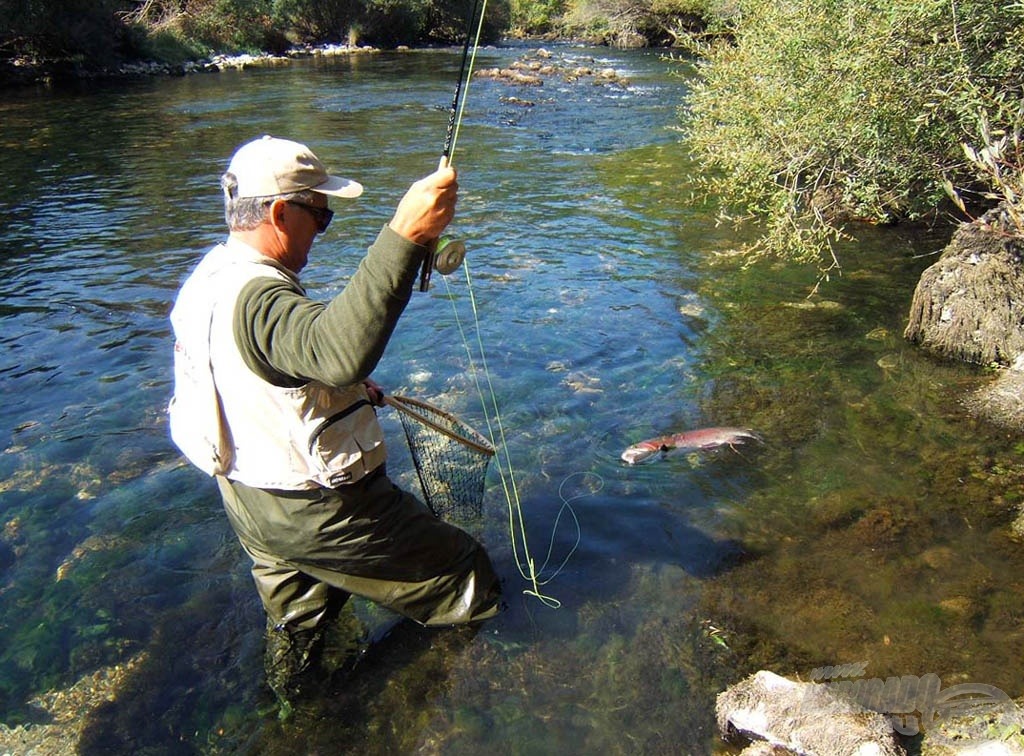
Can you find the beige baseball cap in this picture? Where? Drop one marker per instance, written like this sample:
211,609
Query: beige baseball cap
269,166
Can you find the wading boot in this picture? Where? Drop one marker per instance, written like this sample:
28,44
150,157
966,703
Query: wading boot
288,661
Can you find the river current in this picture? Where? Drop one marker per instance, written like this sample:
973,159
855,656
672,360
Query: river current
870,527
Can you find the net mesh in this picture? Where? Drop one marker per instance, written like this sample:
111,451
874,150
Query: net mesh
450,457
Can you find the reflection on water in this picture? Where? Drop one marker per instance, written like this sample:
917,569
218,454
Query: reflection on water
870,527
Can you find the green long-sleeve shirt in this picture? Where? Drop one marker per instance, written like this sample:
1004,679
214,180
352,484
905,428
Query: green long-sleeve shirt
289,339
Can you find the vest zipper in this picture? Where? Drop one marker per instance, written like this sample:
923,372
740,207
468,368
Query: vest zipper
332,420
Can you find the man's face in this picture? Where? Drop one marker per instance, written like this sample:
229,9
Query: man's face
300,222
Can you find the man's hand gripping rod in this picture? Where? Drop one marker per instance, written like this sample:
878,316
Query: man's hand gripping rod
445,255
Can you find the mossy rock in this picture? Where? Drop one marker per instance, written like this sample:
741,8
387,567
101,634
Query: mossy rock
969,305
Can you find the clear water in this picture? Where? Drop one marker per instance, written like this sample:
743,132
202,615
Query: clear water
872,525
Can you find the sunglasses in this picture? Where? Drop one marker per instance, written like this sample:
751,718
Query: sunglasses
321,215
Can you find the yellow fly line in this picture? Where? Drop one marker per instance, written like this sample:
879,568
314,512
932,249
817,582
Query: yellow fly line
525,562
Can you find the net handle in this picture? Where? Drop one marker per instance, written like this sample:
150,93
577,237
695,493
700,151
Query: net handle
409,406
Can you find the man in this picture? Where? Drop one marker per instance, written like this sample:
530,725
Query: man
272,396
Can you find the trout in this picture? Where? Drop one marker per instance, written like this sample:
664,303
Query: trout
702,439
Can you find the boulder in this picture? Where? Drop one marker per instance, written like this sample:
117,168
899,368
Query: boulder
801,718
1001,402
970,304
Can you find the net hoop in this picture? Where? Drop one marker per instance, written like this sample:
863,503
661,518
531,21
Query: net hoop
422,412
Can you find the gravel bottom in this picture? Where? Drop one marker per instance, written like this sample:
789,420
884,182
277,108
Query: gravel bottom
67,713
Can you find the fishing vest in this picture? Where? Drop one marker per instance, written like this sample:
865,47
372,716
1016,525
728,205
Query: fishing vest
228,421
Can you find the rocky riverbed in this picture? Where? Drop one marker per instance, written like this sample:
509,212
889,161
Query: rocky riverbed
64,713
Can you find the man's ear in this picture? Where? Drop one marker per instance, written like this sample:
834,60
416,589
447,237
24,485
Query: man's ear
277,211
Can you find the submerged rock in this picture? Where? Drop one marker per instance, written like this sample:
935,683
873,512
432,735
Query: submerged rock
510,75
992,728
94,543
844,717
528,71
1001,402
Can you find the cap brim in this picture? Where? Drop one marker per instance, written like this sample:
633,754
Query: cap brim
336,186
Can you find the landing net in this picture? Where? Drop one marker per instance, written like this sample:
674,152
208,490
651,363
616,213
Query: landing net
450,457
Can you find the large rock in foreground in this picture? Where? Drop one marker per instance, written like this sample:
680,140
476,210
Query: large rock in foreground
802,718
861,717
970,304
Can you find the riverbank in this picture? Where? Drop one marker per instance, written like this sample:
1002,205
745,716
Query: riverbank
22,72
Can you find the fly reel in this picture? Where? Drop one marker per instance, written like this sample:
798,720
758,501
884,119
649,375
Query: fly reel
449,256
446,259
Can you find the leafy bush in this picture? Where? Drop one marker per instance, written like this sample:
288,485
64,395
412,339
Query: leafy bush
73,29
997,157
390,22
335,21
234,26
535,16
105,32
810,113
659,22
169,46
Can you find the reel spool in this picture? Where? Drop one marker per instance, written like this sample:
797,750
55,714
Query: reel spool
449,256
446,258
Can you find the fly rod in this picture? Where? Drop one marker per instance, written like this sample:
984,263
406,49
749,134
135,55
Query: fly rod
448,256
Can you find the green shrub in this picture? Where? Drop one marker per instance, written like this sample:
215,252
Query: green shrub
448,21
80,30
104,32
320,21
654,22
814,112
169,46
234,26
390,22
535,16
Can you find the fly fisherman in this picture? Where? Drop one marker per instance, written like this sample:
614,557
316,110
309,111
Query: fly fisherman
272,396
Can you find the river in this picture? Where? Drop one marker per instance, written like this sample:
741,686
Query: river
871,526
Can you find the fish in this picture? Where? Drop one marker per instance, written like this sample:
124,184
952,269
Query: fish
702,439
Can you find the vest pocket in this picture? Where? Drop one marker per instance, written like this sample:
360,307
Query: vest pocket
347,445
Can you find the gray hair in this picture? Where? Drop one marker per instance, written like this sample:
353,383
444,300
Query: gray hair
246,213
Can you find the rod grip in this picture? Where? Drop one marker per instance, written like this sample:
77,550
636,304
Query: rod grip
428,265
428,261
